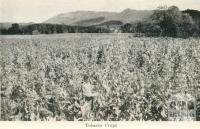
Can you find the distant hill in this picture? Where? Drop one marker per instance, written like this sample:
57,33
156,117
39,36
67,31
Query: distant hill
89,22
90,18
76,18
108,23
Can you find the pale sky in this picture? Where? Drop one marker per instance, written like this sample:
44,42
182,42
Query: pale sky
41,10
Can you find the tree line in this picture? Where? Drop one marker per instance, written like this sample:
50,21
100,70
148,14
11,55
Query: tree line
165,21
50,29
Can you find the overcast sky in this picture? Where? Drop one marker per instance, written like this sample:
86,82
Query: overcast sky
41,10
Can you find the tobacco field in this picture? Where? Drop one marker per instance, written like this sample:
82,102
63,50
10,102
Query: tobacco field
41,76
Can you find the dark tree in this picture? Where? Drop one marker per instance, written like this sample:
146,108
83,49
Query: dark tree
127,28
14,29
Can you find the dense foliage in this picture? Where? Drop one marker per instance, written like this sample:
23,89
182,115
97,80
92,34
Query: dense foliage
51,29
170,22
41,77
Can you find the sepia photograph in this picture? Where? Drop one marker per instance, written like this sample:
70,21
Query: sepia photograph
100,61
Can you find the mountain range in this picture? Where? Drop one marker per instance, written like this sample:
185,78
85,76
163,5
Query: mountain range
90,18
100,18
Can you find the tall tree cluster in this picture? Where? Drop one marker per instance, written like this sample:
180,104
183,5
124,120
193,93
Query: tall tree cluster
173,22
169,22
